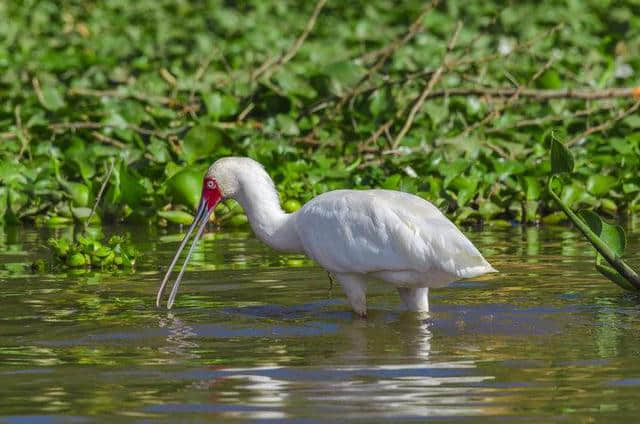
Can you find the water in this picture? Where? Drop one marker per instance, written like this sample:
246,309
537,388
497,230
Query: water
258,336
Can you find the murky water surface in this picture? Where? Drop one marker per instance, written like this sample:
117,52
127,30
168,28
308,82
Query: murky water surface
259,336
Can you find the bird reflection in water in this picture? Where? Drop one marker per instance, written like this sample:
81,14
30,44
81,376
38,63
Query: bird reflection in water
411,384
180,340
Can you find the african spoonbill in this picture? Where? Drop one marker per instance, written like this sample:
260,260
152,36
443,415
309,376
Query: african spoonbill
355,235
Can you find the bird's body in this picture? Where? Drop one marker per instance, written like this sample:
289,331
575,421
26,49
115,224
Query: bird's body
357,235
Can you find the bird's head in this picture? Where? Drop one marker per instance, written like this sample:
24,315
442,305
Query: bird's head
222,180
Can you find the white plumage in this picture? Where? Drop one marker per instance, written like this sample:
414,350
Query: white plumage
356,235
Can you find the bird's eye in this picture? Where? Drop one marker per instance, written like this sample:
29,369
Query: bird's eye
211,185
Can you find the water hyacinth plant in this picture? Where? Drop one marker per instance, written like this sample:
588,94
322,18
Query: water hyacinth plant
90,252
447,100
609,240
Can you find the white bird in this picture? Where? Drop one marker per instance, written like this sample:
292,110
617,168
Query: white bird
355,235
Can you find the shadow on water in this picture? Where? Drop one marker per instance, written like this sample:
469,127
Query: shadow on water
256,335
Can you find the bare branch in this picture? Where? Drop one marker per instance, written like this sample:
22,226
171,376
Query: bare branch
148,98
62,126
108,140
22,134
386,52
551,118
605,125
432,82
99,196
564,93
494,113
269,66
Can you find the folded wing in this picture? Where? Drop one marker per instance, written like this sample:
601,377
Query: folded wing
382,232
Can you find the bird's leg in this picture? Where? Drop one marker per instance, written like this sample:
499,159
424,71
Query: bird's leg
331,280
355,288
415,299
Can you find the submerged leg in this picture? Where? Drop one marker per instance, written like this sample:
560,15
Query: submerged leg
415,299
331,280
355,288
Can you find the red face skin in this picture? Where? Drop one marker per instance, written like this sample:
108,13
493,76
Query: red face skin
211,193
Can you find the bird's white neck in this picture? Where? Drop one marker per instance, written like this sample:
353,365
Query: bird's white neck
272,225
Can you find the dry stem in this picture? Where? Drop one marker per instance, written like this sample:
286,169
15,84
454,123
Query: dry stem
102,187
386,52
124,95
97,125
605,125
432,82
494,113
550,118
269,66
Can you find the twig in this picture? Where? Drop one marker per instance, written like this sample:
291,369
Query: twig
245,112
268,67
116,143
463,61
38,90
518,47
200,73
432,82
386,52
605,125
363,147
538,94
108,140
102,187
205,64
97,125
168,77
21,133
546,119
168,101
495,112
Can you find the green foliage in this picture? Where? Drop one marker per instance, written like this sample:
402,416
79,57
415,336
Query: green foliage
165,87
177,217
185,186
90,252
561,158
609,240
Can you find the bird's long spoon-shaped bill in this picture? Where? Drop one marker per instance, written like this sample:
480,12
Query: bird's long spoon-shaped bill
202,217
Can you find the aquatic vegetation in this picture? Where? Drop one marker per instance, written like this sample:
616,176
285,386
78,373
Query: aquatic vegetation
451,101
609,240
88,251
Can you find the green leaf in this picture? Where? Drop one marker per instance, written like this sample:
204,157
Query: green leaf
561,158
287,124
79,193
81,214
342,75
550,79
52,98
532,187
201,141
465,188
489,209
158,149
220,105
185,187
381,102
177,217
601,184
131,190
612,235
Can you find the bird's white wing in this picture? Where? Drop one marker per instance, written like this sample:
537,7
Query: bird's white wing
374,231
